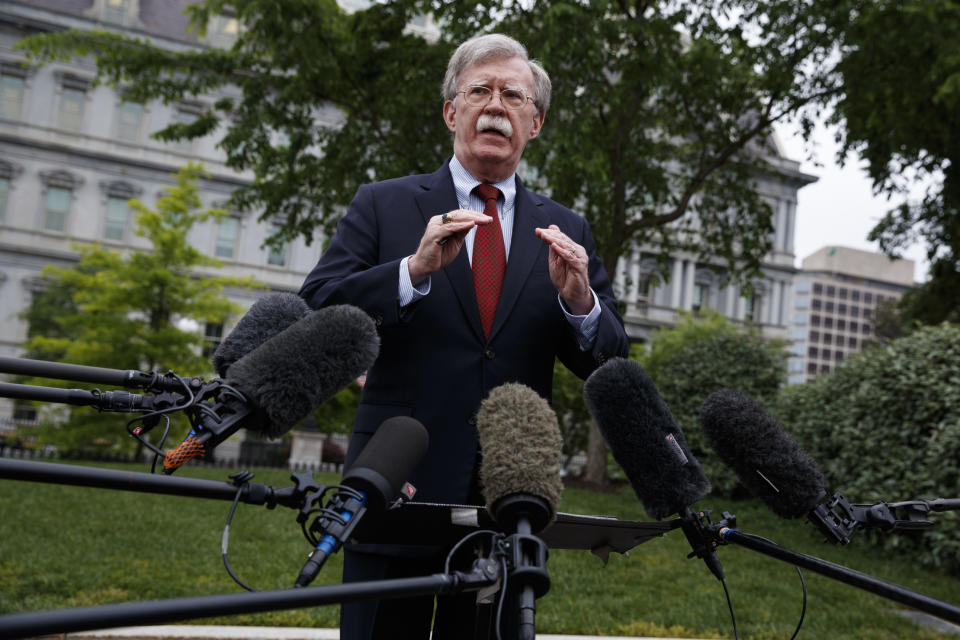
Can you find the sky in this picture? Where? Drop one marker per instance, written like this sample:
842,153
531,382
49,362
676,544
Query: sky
840,208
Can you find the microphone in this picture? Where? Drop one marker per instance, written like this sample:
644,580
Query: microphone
520,472
267,317
647,443
644,438
277,384
376,479
769,463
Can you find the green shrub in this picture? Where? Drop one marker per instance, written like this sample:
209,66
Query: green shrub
706,354
886,426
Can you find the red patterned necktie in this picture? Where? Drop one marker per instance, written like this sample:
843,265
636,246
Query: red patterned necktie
489,258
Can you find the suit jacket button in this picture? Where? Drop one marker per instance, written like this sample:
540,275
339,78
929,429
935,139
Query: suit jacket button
378,319
490,354
601,357
472,420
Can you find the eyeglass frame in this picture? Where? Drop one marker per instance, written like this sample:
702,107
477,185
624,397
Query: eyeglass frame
492,92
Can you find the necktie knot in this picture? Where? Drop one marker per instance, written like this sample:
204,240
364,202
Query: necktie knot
487,192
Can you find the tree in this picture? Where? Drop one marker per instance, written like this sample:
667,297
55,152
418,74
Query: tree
119,311
657,135
900,111
705,354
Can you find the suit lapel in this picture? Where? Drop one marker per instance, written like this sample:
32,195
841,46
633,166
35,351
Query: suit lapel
439,197
525,246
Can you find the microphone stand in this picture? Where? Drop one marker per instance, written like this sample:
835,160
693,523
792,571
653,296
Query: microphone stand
527,555
725,532
484,573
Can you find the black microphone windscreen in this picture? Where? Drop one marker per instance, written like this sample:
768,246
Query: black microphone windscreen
763,455
521,445
305,365
644,438
388,460
267,317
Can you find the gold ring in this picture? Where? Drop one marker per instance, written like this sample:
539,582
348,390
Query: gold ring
445,218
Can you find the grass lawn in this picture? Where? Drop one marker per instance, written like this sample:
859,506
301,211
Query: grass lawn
70,546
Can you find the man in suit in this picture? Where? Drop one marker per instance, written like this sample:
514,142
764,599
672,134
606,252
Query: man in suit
472,281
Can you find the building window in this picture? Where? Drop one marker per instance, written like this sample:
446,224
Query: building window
852,342
228,229
799,334
828,307
803,303
752,310
864,328
831,291
828,323
824,368
114,11
816,305
838,356
827,338
796,366
56,209
12,82
24,411
699,294
814,336
186,113
812,352
812,367
802,287
798,349
841,308
129,117
276,256
867,313
800,318
854,311
73,99
842,293
841,324
814,320
115,225
855,295
817,289
213,336
868,298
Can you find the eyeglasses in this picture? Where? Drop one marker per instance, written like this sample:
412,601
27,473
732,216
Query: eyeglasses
477,95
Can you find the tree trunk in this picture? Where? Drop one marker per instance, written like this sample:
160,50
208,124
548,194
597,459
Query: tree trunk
596,472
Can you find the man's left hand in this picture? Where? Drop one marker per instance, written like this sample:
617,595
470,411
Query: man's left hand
568,270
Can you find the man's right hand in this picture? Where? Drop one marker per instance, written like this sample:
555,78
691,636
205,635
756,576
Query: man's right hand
442,241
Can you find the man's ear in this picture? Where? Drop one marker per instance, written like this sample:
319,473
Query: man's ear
449,113
537,125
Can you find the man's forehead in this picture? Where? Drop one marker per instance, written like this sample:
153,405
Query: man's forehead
502,70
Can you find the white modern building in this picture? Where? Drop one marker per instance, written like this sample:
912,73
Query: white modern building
835,296
72,154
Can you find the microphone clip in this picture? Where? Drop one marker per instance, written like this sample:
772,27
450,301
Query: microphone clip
838,519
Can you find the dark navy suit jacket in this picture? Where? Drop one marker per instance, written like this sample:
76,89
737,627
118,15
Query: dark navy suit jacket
434,363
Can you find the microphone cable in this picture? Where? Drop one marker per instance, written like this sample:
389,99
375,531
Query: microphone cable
803,589
241,478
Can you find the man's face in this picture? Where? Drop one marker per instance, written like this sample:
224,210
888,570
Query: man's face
480,139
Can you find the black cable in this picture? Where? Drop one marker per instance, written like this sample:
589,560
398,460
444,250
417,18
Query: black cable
803,585
503,595
733,618
446,563
225,540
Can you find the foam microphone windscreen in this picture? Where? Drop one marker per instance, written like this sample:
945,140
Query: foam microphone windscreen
644,438
769,463
388,461
521,446
267,317
304,365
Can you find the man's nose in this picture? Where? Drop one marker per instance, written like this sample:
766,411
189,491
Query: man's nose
495,103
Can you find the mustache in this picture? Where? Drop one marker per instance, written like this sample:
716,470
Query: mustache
497,123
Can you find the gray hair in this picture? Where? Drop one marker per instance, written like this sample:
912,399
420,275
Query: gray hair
495,46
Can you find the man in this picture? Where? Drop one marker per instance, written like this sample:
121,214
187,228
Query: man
464,302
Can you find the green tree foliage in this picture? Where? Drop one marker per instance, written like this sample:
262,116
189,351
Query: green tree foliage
900,111
118,310
886,426
705,354
658,131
